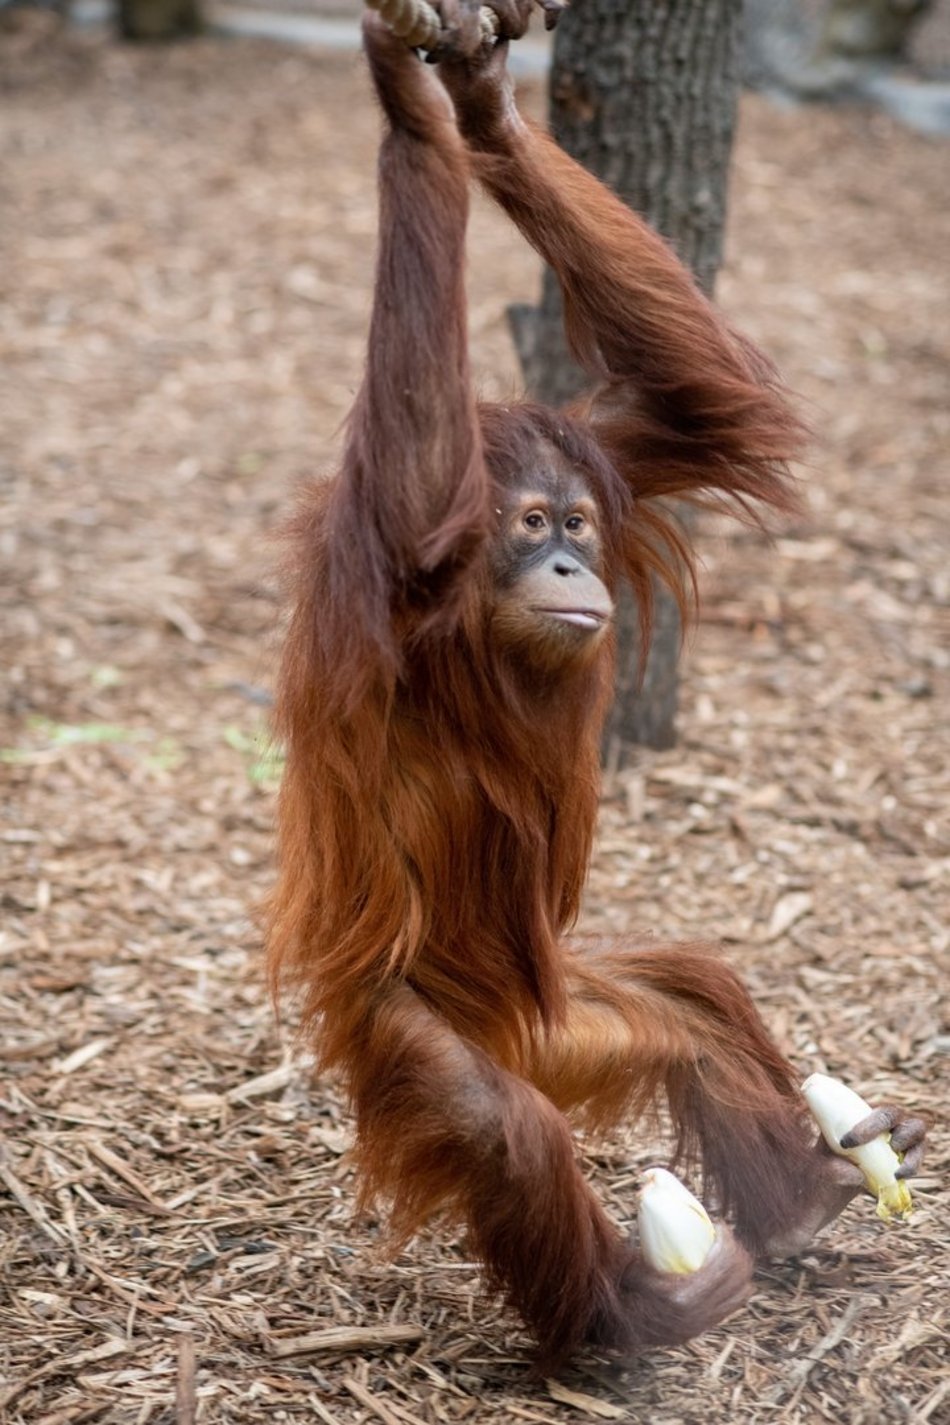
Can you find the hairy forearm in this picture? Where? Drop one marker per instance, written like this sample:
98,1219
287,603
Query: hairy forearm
632,308
412,462
417,389
691,402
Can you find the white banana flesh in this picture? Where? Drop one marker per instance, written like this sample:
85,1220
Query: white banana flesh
676,1234
837,1109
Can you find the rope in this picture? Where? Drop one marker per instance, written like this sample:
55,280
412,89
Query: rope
420,25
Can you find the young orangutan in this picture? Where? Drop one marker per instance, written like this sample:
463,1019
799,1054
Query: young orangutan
444,684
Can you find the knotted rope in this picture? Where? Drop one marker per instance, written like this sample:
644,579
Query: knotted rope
420,25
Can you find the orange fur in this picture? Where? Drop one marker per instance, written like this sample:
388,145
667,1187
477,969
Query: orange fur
439,800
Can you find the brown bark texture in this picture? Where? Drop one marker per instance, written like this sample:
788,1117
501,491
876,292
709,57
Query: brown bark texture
643,93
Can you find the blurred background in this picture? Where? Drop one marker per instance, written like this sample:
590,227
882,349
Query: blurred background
188,230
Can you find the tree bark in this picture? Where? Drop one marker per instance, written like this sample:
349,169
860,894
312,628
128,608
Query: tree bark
643,93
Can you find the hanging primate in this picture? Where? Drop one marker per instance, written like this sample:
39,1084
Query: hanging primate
446,676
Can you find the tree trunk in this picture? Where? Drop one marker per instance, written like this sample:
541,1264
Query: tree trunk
643,93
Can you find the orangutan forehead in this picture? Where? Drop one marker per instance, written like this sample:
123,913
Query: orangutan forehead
549,476
560,495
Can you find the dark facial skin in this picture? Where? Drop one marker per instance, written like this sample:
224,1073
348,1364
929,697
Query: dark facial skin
551,601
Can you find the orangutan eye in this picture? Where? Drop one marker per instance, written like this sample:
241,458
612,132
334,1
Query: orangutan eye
575,524
534,520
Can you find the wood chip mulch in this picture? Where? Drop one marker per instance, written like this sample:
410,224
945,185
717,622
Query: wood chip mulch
189,236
